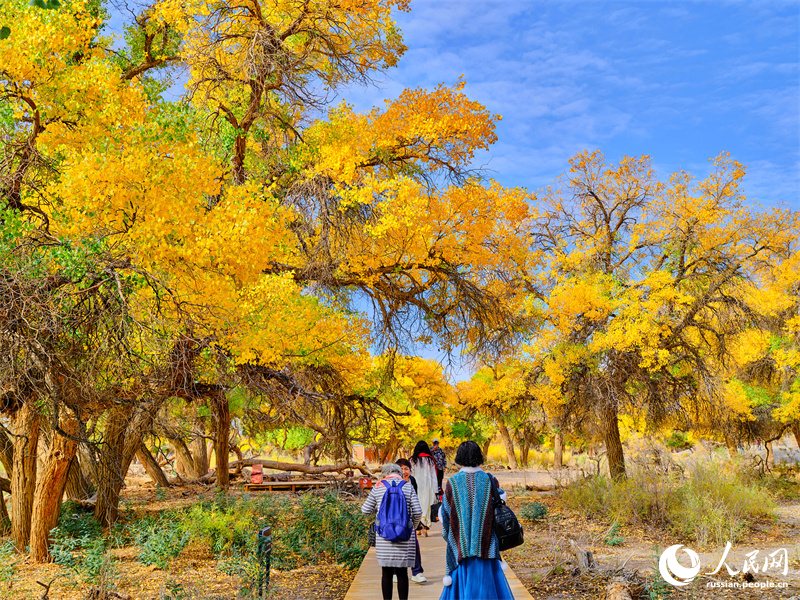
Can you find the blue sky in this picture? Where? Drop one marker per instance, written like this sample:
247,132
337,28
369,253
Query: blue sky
681,81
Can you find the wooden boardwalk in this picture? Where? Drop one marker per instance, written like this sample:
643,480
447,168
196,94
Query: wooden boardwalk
367,584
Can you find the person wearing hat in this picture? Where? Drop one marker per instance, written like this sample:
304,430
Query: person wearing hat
441,463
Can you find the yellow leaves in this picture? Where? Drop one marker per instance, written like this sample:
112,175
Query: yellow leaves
586,298
282,44
749,345
736,400
433,130
272,321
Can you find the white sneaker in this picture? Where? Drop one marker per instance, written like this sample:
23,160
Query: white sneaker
419,578
394,578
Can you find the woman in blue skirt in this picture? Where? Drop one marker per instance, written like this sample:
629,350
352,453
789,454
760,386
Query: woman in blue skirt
474,570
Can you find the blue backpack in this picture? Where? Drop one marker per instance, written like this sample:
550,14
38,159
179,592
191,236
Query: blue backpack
393,522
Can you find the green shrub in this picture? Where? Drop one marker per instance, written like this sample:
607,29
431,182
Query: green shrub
77,544
324,530
533,511
678,440
8,566
613,538
76,523
161,541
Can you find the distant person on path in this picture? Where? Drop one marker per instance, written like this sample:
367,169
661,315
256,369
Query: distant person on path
416,570
394,557
441,463
424,471
473,568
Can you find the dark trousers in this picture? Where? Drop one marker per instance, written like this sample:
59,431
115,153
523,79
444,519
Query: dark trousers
417,568
387,585
439,477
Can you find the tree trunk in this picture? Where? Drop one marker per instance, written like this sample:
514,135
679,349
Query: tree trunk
78,487
125,430
507,441
89,466
198,448
5,520
184,461
770,457
796,432
614,452
558,450
151,466
23,476
524,450
50,487
730,442
6,451
390,449
221,439
485,448
110,469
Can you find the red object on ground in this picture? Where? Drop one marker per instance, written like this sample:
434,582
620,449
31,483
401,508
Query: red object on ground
257,474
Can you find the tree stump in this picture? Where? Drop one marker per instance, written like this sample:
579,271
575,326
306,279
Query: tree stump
586,561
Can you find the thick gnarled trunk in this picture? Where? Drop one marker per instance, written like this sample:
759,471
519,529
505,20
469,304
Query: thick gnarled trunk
611,437
125,429
50,487
23,476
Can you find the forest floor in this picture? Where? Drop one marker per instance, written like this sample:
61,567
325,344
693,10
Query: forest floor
544,563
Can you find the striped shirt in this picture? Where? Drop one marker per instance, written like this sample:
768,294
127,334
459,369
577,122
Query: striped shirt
395,554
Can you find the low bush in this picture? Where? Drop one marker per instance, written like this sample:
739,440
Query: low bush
316,529
8,563
711,503
533,511
78,544
160,541
678,440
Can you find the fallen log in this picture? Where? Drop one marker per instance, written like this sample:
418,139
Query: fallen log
302,468
96,593
618,590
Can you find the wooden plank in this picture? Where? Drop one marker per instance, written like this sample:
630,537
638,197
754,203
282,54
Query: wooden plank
285,485
367,583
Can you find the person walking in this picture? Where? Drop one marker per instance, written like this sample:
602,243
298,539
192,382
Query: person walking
416,570
440,460
394,556
424,471
473,568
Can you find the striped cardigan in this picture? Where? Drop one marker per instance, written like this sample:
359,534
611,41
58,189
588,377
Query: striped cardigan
395,554
467,516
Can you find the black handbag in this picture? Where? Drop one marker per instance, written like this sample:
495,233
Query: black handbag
506,526
435,511
371,534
